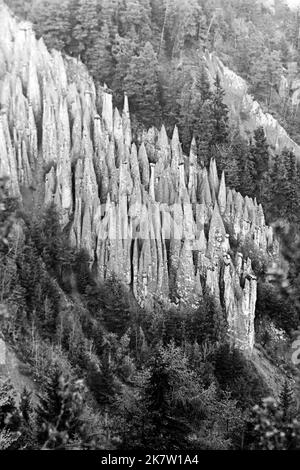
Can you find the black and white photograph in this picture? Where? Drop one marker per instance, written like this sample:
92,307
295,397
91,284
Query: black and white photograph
149,228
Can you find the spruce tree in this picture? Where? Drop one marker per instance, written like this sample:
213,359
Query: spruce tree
102,381
186,119
26,405
277,188
9,413
74,46
50,405
10,417
202,125
266,74
116,308
203,85
142,86
283,189
286,400
51,20
233,156
195,117
219,114
207,323
164,429
248,172
123,49
80,267
50,242
87,28
135,18
98,56
59,412
204,130
27,429
260,152
293,188
109,15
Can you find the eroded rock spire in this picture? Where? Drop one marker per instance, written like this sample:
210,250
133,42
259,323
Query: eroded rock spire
147,214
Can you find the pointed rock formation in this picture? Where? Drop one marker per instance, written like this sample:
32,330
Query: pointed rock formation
148,214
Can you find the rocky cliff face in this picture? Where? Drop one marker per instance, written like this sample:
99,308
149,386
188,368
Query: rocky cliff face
247,112
150,215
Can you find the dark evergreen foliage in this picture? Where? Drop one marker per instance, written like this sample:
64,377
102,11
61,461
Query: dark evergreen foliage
164,379
59,412
260,153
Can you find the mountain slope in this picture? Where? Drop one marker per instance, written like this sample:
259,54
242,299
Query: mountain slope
162,228
246,113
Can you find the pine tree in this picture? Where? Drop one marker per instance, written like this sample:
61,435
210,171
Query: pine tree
51,243
204,130
260,152
10,418
173,87
87,28
52,240
219,114
9,414
142,86
164,429
233,156
26,405
185,30
50,405
203,85
82,272
207,323
293,188
93,31
109,15
247,172
159,13
202,124
27,428
73,47
277,188
102,381
98,56
135,18
123,49
196,116
286,400
116,308
59,412
51,20
283,189
266,74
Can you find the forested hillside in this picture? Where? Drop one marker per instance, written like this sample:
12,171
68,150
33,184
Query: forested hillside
108,368
120,40
153,51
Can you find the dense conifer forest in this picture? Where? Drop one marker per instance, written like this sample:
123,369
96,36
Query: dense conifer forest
103,371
